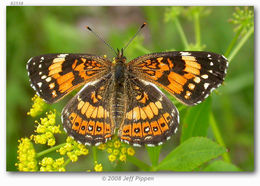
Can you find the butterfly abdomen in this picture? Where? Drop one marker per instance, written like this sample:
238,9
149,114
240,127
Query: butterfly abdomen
118,98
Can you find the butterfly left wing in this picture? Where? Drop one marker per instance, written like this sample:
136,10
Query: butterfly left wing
150,117
189,76
53,76
87,117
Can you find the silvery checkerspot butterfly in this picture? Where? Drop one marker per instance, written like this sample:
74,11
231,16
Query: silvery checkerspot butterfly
122,98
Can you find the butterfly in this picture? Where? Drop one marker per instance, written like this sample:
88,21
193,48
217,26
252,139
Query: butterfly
122,98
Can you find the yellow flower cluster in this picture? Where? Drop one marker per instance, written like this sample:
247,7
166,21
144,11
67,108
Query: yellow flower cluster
26,156
117,150
98,167
38,106
73,149
46,130
48,165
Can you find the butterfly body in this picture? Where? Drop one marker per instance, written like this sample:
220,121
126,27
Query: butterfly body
121,98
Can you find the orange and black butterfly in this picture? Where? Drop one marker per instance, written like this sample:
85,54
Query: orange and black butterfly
120,97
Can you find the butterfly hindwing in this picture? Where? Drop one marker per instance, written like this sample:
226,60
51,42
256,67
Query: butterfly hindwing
54,75
150,116
86,117
189,76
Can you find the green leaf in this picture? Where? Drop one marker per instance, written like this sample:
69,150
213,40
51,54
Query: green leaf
191,154
196,122
154,153
143,166
221,166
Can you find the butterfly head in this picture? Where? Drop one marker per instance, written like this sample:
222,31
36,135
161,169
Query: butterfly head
120,56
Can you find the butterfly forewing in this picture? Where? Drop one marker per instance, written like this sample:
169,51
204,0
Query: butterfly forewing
54,75
189,76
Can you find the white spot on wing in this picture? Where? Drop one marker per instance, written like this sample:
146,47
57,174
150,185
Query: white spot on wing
48,79
79,142
29,60
98,143
62,55
206,85
136,145
39,84
205,76
185,53
224,57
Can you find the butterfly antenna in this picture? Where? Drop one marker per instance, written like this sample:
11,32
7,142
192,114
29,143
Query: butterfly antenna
87,27
143,25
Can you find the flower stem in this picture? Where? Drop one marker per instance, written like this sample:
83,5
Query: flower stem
197,29
233,42
218,136
182,34
240,44
49,150
67,162
94,151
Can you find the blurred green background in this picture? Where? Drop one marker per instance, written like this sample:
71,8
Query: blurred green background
33,31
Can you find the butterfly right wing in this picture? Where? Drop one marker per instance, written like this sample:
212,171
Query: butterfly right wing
87,117
53,76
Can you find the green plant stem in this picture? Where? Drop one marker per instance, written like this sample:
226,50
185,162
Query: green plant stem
143,166
94,151
67,162
49,150
181,32
197,28
154,153
240,44
233,42
218,136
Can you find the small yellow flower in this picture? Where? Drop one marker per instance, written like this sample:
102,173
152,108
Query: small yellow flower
109,150
73,149
102,146
110,144
130,151
48,164
26,156
38,106
112,157
122,157
98,167
123,150
46,130
51,141
117,144
116,152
